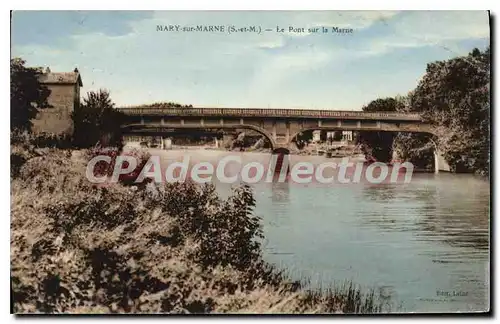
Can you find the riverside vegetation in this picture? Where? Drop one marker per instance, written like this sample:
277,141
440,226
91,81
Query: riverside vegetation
170,248
179,248
454,96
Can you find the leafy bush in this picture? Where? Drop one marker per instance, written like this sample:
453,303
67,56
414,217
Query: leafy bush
454,95
378,145
78,245
96,121
176,248
27,145
27,94
225,240
41,140
62,141
103,168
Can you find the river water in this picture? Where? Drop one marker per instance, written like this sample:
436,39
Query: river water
423,245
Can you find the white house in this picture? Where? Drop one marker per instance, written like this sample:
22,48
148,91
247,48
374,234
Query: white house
316,136
347,136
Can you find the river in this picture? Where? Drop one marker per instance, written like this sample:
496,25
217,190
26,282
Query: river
423,245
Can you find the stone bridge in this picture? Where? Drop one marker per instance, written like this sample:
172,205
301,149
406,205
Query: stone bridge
279,126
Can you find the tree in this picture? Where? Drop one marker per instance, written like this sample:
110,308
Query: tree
27,94
96,121
454,95
303,138
165,105
337,136
378,145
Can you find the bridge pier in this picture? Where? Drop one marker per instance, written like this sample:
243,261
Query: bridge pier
168,143
440,163
280,126
165,143
282,156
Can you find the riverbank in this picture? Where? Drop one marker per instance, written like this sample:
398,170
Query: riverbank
311,150
178,248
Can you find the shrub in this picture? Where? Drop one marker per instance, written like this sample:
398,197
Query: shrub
41,140
76,245
27,94
226,232
103,168
177,248
27,145
97,121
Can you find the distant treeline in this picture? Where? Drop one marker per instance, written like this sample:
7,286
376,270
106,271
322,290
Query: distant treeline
163,105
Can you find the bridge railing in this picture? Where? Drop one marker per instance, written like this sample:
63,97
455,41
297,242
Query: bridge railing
251,112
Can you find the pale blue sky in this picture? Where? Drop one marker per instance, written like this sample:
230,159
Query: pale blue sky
385,55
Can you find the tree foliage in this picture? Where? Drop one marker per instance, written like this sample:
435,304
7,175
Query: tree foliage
96,121
163,248
165,105
378,145
27,94
454,95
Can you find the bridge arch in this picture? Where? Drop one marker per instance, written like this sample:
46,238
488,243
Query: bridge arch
279,126
427,129
440,164
158,129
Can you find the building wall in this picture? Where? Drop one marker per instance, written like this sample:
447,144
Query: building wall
57,118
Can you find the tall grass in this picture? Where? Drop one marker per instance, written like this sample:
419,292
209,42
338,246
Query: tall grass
173,248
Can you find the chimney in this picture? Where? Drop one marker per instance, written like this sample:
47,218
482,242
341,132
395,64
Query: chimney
47,70
76,70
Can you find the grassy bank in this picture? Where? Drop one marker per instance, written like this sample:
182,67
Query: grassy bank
174,248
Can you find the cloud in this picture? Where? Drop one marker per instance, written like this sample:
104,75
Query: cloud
430,28
52,27
271,73
140,64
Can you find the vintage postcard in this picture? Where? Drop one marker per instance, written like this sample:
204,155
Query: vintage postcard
250,162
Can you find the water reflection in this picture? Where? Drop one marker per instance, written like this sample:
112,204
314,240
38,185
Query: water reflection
280,192
414,239
380,192
433,210
278,205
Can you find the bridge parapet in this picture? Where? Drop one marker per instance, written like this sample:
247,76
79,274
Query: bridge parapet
279,113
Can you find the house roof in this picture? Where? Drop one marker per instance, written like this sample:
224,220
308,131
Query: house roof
61,78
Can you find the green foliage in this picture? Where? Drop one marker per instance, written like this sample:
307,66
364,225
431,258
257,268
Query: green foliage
228,232
27,94
415,148
174,248
106,169
80,245
378,145
337,136
26,145
164,105
96,121
305,136
455,96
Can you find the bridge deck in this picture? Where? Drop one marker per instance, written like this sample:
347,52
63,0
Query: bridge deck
278,113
